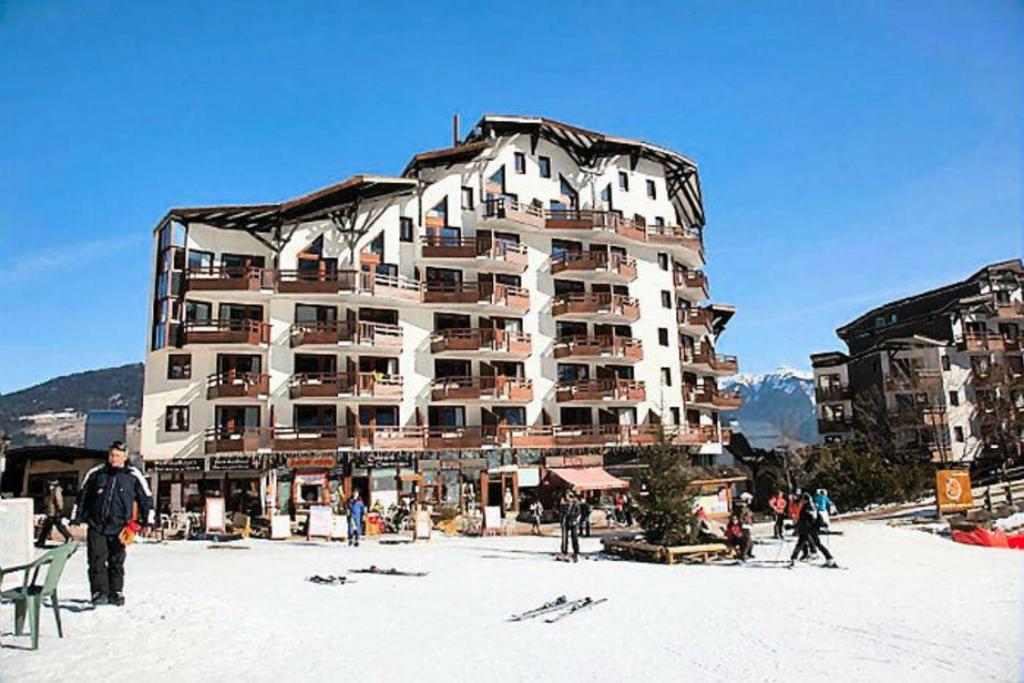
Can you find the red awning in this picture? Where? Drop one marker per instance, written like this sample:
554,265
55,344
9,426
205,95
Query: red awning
588,478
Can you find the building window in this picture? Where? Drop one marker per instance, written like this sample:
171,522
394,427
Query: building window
179,366
674,412
958,434
954,398
659,222
945,363
176,419
623,181
467,198
666,376
651,192
544,164
663,336
520,163
663,261
405,229
666,299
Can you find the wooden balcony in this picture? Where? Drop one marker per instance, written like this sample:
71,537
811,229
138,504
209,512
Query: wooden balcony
1010,310
826,426
237,385
362,385
601,264
512,213
918,416
982,342
724,364
922,379
710,396
503,254
694,318
308,438
601,346
253,332
239,440
831,393
453,438
487,388
315,282
475,294
601,390
482,340
379,336
703,357
691,284
229,280
601,306
397,288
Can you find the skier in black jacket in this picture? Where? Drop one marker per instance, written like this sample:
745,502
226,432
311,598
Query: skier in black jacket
807,529
106,503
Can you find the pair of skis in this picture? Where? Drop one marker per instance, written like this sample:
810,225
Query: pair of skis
329,580
374,569
558,609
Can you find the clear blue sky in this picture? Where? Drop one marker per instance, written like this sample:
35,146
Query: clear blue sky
849,152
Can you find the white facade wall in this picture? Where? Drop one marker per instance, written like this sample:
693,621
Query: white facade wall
417,320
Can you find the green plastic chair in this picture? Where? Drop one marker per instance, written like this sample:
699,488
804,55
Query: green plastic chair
28,598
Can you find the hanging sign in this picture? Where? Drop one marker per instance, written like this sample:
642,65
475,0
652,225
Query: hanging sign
312,461
221,463
953,491
574,461
374,459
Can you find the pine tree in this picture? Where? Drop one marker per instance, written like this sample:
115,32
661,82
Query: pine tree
667,510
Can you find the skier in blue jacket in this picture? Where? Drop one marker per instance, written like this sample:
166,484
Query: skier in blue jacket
825,507
356,510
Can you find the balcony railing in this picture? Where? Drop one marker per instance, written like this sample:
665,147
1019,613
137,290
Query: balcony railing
915,378
475,293
691,279
711,396
236,440
504,251
1010,310
983,342
610,346
317,282
334,384
617,306
308,438
487,388
237,385
514,211
377,335
595,262
229,279
704,356
601,390
485,339
253,332
555,436
694,317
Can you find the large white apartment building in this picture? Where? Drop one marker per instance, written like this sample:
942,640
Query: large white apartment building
940,374
534,290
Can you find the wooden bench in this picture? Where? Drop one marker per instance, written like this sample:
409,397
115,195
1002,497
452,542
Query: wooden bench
648,552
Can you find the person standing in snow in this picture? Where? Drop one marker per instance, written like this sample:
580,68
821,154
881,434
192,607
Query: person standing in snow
536,512
807,530
777,504
570,526
627,509
619,507
825,507
54,512
106,504
356,510
584,528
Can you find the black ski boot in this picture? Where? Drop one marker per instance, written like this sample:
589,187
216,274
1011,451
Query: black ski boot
117,599
99,599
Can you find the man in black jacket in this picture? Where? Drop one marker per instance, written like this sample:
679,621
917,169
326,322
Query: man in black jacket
106,503
807,528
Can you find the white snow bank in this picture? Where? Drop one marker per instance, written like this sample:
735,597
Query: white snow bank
911,607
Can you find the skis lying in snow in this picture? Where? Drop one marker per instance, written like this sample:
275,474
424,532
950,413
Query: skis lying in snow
558,603
329,580
374,569
754,563
574,607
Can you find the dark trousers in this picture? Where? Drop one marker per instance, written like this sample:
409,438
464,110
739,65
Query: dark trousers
48,525
569,534
106,563
808,541
585,525
780,524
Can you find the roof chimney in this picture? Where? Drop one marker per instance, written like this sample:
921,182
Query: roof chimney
455,131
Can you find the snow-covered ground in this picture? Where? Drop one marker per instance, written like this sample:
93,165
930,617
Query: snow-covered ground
912,606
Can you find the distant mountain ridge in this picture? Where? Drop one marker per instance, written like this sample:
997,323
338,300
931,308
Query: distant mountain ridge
54,411
778,408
